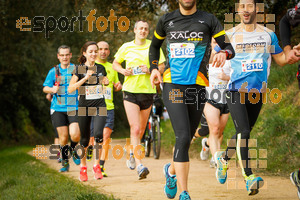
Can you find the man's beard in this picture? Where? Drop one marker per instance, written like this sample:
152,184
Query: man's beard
251,19
187,7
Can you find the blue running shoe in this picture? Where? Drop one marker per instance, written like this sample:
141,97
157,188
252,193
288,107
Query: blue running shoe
184,196
170,188
222,167
142,171
253,184
76,158
296,181
65,166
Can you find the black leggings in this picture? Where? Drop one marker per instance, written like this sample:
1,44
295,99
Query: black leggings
184,104
203,131
244,115
84,126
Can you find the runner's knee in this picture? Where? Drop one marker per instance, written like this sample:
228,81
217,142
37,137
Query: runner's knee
215,130
182,147
135,130
75,137
84,141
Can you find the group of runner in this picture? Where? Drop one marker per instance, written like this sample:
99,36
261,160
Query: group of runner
238,66
83,99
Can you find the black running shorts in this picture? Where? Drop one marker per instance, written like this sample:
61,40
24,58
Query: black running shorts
143,100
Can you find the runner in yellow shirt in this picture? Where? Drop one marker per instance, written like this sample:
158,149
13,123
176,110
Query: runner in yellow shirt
137,90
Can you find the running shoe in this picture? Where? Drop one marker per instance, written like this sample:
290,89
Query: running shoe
205,150
89,154
222,167
83,174
103,171
97,172
253,183
131,162
76,158
65,166
212,163
184,196
170,188
295,180
142,172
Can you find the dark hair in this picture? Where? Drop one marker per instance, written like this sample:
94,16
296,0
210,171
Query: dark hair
254,1
63,47
82,58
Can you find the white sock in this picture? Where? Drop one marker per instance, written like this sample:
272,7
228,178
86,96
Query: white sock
172,175
139,166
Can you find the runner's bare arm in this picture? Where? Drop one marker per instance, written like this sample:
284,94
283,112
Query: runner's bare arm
117,86
280,59
49,90
226,51
161,68
105,81
118,67
75,84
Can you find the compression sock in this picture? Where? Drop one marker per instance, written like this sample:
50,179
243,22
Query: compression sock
102,162
64,152
73,145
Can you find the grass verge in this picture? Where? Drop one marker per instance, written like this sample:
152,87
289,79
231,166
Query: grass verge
24,177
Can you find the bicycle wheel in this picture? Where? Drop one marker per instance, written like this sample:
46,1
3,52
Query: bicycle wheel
147,142
156,139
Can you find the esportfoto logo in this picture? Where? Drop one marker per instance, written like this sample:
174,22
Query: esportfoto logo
49,24
118,151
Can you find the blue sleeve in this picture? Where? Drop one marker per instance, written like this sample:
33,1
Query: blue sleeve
276,49
50,79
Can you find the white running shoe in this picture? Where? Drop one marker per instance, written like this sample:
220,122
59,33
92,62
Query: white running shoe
142,171
212,163
205,150
131,162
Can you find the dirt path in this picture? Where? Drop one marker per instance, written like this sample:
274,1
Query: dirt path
124,184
